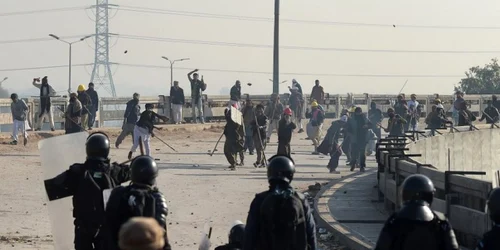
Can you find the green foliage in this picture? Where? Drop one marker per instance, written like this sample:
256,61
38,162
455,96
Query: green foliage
481,80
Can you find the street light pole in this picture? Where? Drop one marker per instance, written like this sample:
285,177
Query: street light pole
276,67
4,79
70,54
172,62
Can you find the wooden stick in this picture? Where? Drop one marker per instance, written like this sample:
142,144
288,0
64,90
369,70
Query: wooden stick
141,145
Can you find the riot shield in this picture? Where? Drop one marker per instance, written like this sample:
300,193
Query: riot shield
236,116
56,155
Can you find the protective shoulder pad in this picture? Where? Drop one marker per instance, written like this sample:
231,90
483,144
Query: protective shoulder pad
77,168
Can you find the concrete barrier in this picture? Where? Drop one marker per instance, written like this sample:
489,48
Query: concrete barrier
462,198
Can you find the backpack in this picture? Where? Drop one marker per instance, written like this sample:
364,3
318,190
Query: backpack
283,221
410,235
141,202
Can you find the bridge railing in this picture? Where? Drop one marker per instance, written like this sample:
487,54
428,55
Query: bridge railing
459,196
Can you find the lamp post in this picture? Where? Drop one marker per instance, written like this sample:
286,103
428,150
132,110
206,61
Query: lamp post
70,47
276,60
3,80
172,67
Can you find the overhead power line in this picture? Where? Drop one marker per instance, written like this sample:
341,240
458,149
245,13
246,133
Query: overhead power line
29,12
285,20
296,74
40,39
44,67
249,45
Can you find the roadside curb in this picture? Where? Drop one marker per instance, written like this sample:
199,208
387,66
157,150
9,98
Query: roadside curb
324,218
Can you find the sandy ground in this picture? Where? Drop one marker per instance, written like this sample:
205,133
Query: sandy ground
198,187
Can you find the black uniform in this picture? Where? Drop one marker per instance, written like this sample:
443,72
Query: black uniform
86,182
259,131
491,239
120,209
416,226
141,198
285,132
234,139
267,227
330,145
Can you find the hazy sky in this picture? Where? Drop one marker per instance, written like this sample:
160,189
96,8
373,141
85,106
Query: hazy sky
307,65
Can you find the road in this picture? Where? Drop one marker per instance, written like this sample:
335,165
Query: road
198,187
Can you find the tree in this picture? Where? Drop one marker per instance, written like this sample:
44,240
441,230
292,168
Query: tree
482,80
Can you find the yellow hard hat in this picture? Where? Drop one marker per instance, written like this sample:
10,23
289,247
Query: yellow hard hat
314,104
81,87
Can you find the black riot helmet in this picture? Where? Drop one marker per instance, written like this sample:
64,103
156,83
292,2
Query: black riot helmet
97,146
143,170
418,187
280,167
237,234
494,205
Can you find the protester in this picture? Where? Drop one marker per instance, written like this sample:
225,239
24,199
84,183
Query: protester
296,103
401,108
440,108
495,102
197,88
330,144
346,142
141,233
317,93
234,140
434,120
143,130
46,91
130,117
248,114
236,95
290,227
297,85
414,111
19,111
85,100
457,106
357,127
490,113
465,116
94,105
395,126
177,100
285,131
315,124
375,116
259,126
73,115
273,112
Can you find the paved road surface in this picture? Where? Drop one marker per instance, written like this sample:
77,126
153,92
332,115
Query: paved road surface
196,195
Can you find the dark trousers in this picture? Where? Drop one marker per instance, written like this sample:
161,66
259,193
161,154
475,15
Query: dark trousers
92,114
260,146
230,152
284,149
88,239
346,148
358,154
249,144
334,159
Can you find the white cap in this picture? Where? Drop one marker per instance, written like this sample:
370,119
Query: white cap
343,118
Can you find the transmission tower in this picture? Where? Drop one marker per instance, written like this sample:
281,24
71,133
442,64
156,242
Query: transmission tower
101,74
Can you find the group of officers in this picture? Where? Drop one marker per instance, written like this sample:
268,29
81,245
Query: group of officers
279,218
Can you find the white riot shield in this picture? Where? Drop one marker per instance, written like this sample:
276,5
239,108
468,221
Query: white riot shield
56,155
236,116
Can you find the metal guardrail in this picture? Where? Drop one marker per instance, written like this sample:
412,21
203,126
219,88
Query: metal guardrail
462,199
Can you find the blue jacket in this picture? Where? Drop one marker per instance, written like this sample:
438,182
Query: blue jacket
252,228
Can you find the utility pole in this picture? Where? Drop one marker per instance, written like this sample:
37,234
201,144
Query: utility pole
70,49
101,74
276,52
172,67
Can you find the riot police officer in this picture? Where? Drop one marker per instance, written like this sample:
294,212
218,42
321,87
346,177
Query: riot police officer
236,235
141,198
292,225
491,239
416,226
86,183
